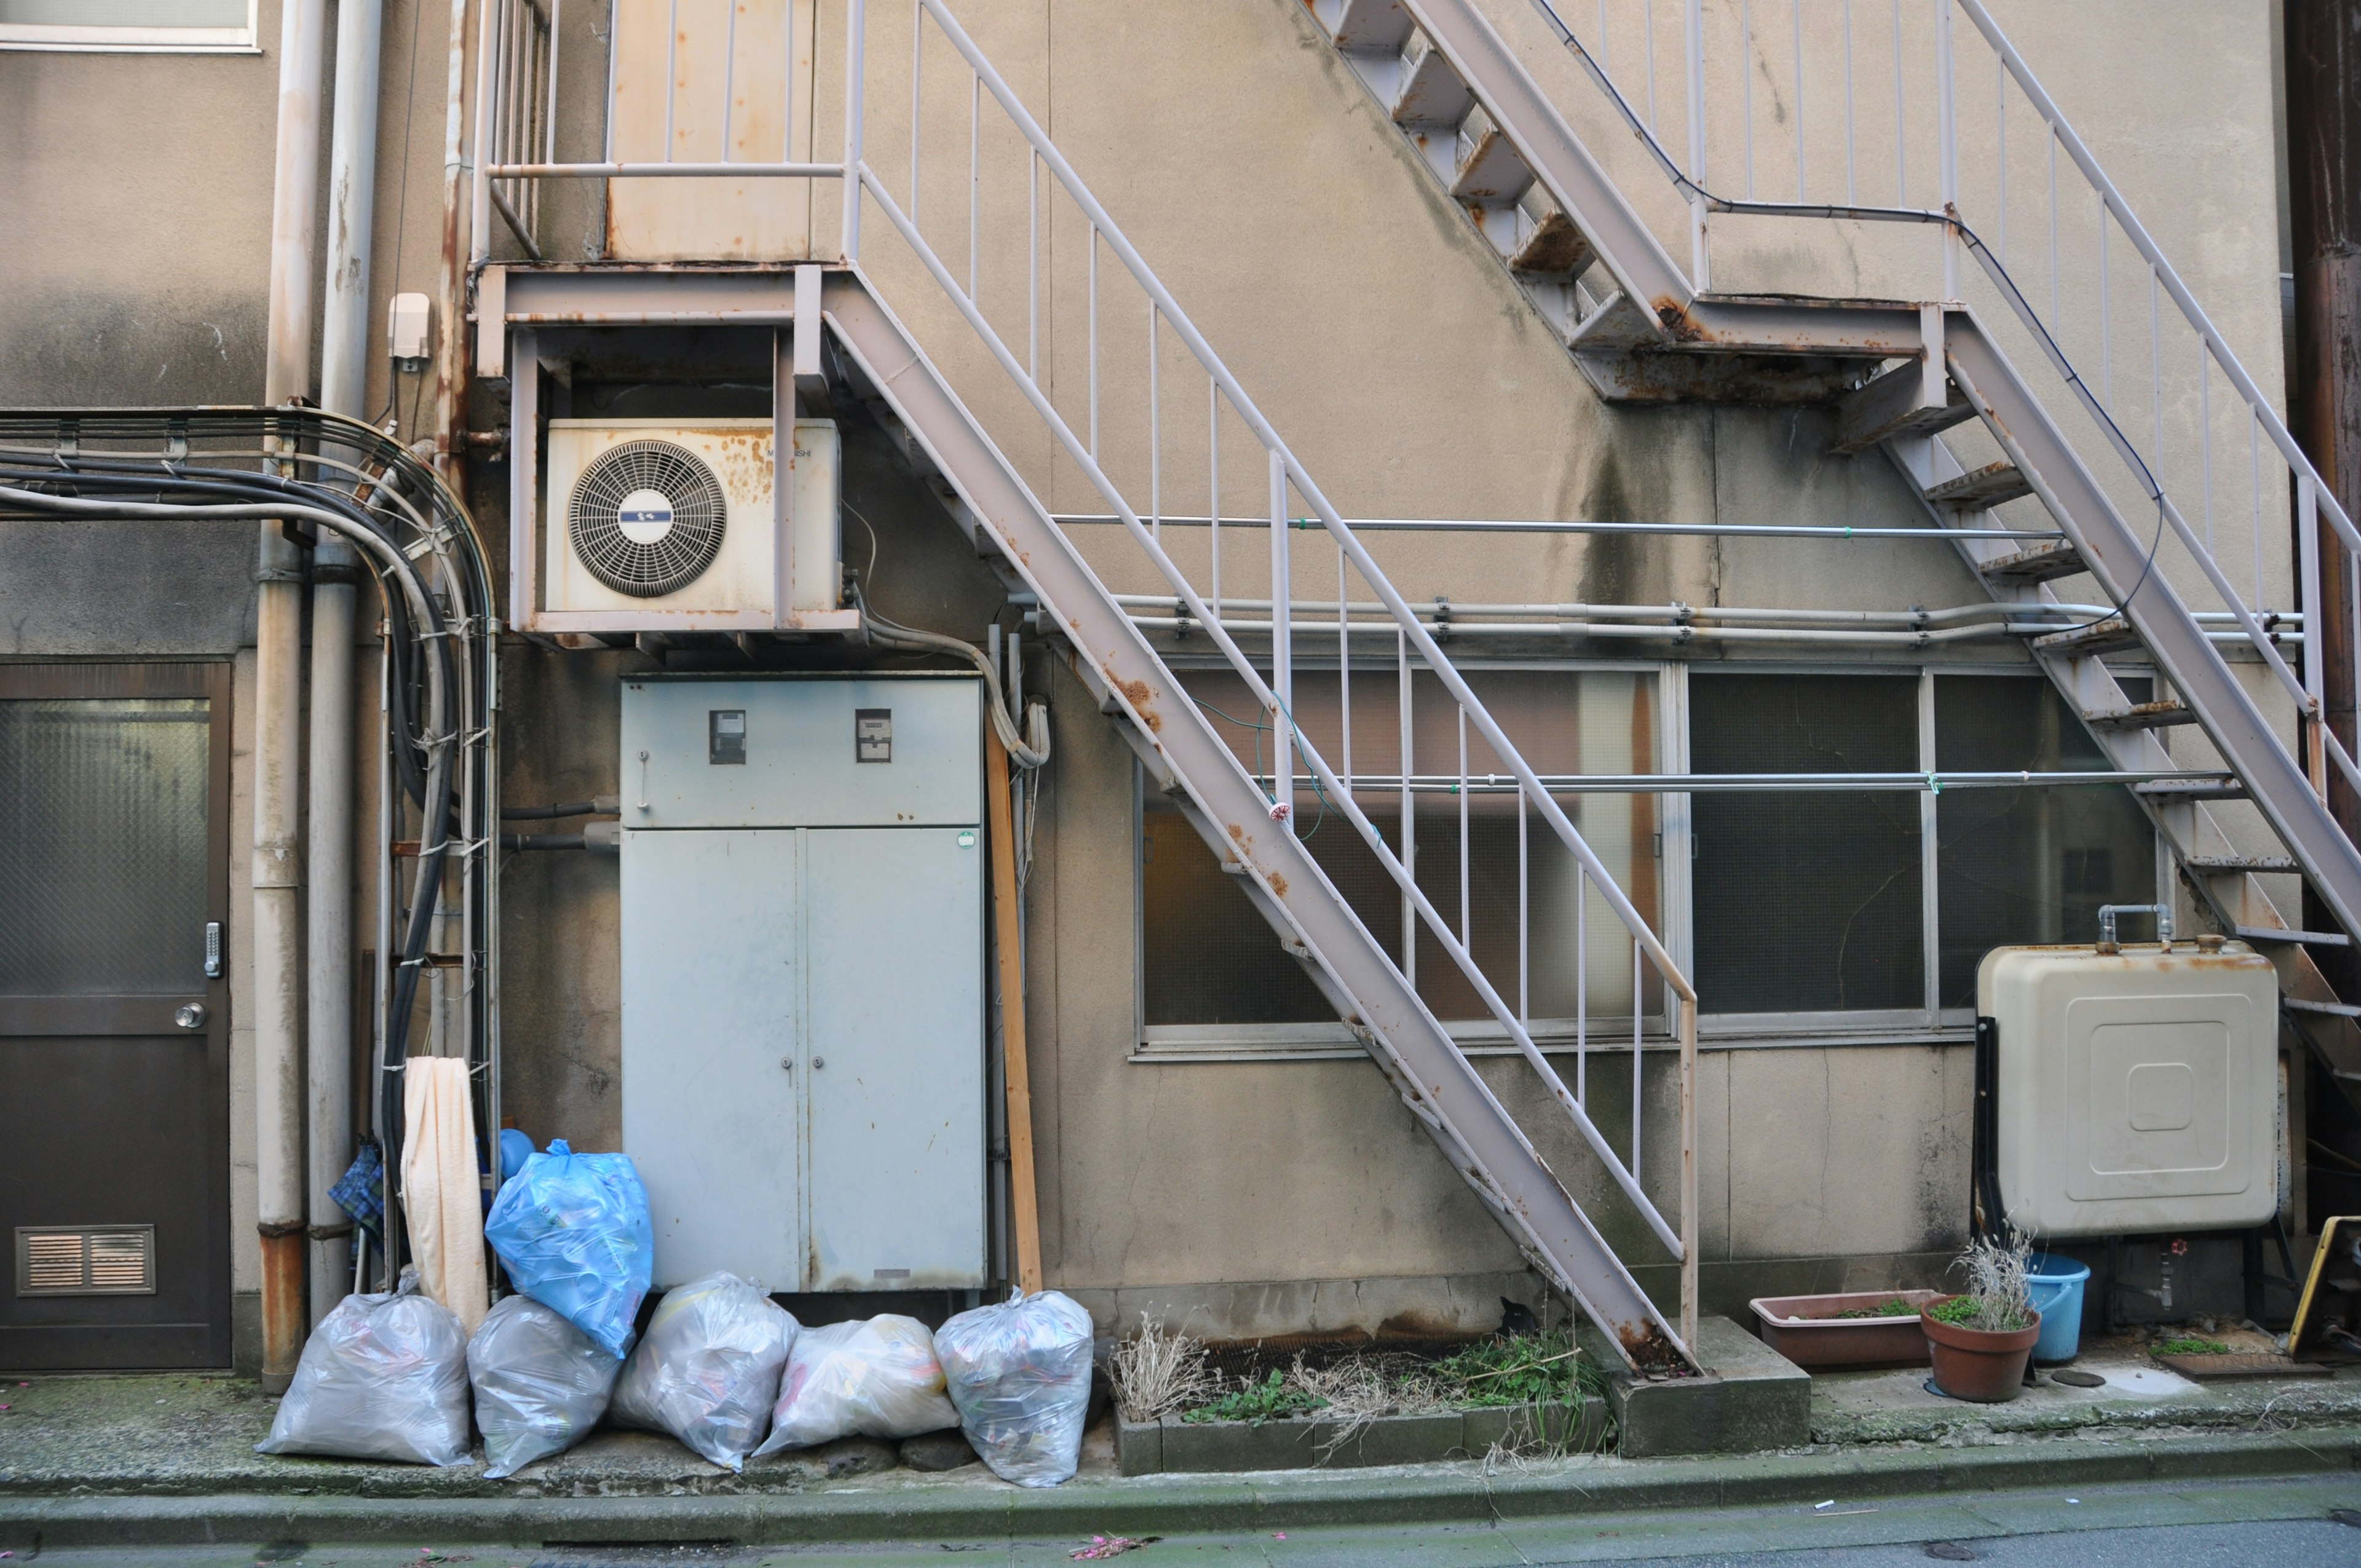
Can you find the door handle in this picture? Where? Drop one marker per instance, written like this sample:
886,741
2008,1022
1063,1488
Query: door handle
190,1014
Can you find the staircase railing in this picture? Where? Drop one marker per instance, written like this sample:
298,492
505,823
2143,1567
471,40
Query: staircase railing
1302,776
2194,441
1137,472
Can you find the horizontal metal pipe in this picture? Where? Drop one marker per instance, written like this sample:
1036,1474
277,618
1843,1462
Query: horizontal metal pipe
1513,525
1453,611
1679,632
666,171
1725,783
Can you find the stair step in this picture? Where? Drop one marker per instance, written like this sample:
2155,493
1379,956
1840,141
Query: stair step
1485,168
2334,1009
2191,789
1552,246
2036,564
2141,716
2235,865
1617,326
1892,405
1365,24
1431,93
2309,938
1990,486
2106,636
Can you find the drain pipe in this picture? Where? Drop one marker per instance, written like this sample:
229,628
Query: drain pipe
335,577
278,722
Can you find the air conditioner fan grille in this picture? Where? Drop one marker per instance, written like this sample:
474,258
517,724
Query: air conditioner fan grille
669,545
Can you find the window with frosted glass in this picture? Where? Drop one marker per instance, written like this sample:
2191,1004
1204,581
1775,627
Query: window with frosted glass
1805,901
1537,930
2025,865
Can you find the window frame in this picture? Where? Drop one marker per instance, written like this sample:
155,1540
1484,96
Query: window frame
1169,1043
53,38
1930,1023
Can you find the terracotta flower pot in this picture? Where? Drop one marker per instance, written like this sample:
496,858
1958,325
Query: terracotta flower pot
1977,1363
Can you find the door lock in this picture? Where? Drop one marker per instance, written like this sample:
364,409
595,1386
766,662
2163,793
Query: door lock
213,949
786,1064
190,1014
820,1061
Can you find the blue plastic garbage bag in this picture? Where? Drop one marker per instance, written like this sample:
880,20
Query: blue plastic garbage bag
573,1230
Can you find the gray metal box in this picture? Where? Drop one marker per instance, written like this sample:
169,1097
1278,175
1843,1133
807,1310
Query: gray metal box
803,977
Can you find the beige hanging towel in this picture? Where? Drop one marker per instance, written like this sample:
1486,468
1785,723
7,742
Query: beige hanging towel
441,1190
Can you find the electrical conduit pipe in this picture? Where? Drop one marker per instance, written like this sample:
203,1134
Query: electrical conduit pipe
279,680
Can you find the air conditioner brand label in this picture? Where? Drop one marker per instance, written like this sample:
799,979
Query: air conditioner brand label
644,516
872,734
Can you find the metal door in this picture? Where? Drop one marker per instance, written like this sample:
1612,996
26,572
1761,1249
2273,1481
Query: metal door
894,945
712,997
113,1016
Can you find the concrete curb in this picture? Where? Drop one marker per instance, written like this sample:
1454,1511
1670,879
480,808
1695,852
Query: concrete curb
1177,1505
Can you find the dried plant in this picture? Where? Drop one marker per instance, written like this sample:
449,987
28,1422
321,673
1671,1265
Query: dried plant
1357,1389
1998,1270
1160,1370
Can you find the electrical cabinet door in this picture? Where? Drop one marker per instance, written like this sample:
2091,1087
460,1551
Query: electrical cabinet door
893,944
712,984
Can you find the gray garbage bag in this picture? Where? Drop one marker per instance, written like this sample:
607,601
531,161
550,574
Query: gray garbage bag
708,1369
878,1379
381,1377
1020,1374
541,1383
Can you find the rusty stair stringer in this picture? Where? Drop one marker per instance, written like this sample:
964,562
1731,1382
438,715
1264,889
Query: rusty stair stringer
1185,756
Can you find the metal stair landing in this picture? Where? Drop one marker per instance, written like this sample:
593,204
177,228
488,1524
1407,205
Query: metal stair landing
1900,375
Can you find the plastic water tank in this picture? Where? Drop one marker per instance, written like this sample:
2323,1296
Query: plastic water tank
2138,1090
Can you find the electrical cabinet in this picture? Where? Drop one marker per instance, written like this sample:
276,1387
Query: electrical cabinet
2137,1090
803,1023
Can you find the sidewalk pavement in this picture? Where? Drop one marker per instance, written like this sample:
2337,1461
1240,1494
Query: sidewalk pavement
160,1460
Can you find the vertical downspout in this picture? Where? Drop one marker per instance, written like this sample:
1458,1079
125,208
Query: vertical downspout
451,357
279,689
2323,144
336,576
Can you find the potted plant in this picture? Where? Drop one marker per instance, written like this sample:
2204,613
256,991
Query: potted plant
1982,1340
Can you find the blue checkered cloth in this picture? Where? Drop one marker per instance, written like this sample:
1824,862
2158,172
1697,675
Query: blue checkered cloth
360,1191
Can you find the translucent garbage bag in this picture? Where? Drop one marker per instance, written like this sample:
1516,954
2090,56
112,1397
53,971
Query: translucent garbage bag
382,1378
1020,1374
573,1230
541,1383
878,1379
708,1369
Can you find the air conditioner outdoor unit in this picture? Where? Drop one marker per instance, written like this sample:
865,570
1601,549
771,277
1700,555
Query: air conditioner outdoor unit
666,525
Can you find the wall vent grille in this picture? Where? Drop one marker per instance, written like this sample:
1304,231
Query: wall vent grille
101,1260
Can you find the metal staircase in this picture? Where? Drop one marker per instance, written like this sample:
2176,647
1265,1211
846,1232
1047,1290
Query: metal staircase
1900,375
873,354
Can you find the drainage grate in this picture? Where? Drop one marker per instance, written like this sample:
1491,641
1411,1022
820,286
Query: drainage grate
85,1260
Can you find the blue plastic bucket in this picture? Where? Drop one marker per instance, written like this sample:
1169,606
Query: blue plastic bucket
2057,1287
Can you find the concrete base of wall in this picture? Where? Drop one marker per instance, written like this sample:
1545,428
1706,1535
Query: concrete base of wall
1412,1306
1751,1399
246,1333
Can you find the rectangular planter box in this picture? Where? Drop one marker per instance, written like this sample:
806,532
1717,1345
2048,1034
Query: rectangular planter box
1806,1330
1306,1442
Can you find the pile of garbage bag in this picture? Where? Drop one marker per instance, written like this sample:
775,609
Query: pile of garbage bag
1020,1374
878,1379
541,1383
383,1377
572,1229
708,1369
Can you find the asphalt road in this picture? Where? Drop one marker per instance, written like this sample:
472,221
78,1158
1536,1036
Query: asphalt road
2257,1524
